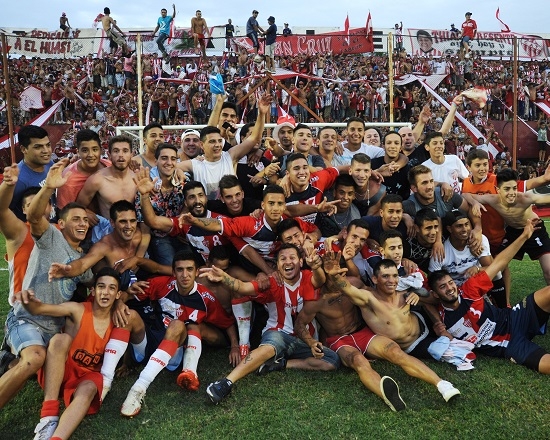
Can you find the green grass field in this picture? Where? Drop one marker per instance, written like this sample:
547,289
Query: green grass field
499,400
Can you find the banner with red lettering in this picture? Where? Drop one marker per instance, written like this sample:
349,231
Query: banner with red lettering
352,41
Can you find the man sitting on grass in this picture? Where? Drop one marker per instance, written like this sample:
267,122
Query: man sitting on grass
496,332
279,348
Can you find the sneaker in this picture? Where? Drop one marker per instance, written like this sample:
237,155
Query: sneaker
6,357
271,366
219,390
244,349
447,390
132,405
45,428
390,394
105,391
188,379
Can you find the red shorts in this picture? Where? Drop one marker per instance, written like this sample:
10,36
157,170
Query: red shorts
200,37
72,379
359,340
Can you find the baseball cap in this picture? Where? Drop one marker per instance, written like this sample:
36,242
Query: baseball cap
468,13
271,18
453,216
188,132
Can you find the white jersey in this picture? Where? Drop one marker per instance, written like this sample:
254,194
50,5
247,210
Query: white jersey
369,150
457,262
210,173
450,171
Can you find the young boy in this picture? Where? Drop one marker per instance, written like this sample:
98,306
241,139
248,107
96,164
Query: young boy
74,358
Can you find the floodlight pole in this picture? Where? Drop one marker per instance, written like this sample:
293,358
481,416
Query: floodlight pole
8,95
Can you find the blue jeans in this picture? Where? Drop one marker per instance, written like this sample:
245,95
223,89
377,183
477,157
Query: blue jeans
163,249
160,42
291,347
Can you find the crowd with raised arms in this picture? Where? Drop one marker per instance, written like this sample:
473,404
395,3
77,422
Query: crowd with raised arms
300,250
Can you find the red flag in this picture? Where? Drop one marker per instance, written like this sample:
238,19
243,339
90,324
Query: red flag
172,31
346,29
97,20
369,31
504,27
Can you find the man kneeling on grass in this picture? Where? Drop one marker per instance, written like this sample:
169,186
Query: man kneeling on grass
74,358
279,347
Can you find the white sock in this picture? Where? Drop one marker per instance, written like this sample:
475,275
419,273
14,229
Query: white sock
192,352
139,349
243,314
158,360
114,350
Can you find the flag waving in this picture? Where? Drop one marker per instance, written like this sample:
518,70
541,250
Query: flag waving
97,20
369,32
504,27
346,30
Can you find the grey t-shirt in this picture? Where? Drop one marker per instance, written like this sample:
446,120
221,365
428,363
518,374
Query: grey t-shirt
49,248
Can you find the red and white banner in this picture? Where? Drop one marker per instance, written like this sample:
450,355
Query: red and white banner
31,98
504,27
353,41
40,120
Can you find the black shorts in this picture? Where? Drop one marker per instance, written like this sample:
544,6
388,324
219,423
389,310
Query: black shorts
254,37
535,247
527,321
542,145
171,112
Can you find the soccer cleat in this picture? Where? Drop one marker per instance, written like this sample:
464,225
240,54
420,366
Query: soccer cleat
219,390
244,350
45,428
188,379
272,365
447,390
390,394
132,405
6,357
105,391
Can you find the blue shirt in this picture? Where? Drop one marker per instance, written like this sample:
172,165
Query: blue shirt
251,25
27,178
164,24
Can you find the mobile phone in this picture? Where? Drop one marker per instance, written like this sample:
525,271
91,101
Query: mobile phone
229,127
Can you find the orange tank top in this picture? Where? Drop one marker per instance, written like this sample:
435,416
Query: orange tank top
87,348
18,265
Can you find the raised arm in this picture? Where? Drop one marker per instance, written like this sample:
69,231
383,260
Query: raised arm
448,122
35,213
423,118
503,258
77,267
145,186
216,111
239,151
13,229
336,276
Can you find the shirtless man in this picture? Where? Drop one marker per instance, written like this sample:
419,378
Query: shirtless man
516,210
108,25
64,24
199,30
387,312
347,335
122,249
112,183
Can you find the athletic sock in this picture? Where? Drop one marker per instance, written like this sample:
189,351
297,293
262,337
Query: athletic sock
193,351
139,348
158,360
50,408
114,350
243,314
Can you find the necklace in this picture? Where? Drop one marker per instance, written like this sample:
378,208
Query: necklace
345,220
363,196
